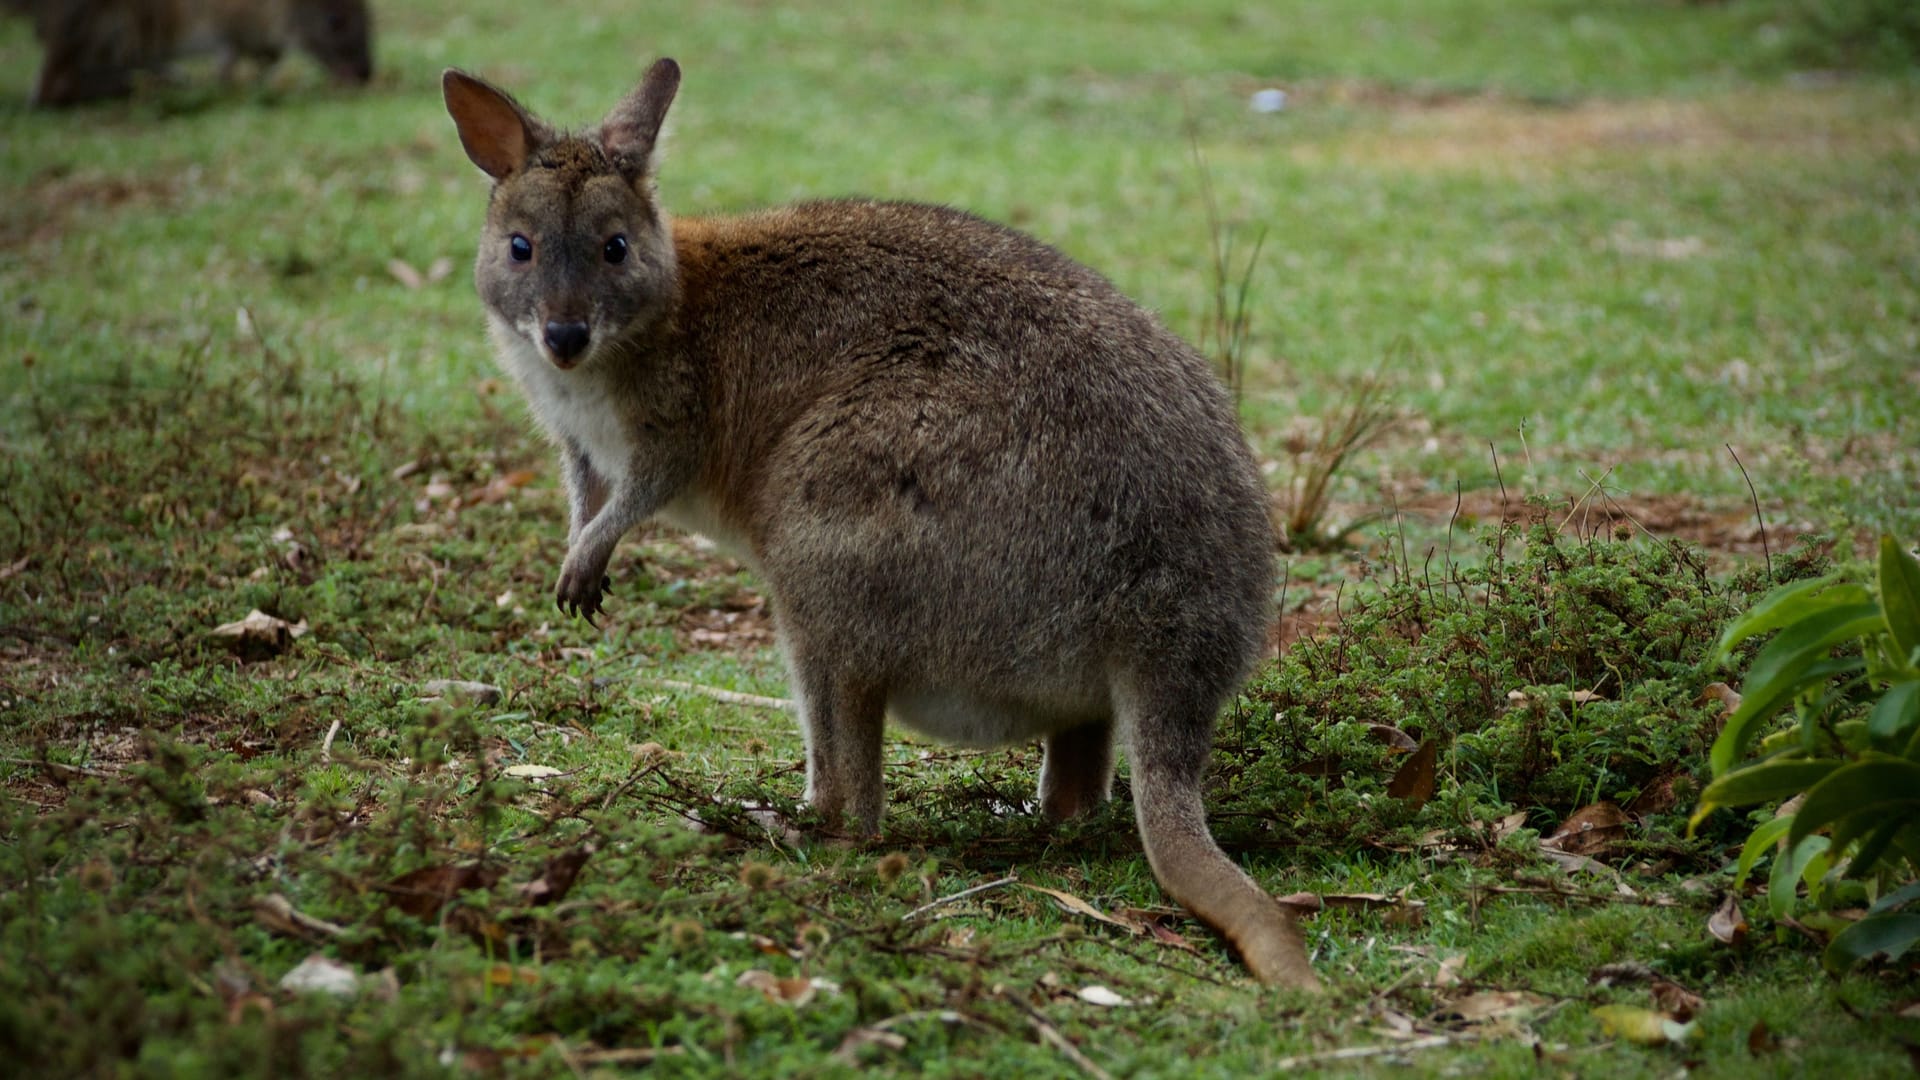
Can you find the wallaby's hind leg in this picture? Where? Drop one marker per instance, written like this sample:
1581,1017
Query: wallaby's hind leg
842,722
1076,771
1172,738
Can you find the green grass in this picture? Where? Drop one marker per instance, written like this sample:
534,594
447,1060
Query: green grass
1600,244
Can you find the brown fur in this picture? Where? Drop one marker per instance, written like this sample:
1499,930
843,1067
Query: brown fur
989,494
96,48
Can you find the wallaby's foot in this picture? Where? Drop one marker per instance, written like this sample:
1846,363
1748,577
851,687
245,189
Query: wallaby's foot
1076,773
582,587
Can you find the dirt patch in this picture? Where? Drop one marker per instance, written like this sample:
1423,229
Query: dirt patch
1445,130
1729,530
54,196
742,623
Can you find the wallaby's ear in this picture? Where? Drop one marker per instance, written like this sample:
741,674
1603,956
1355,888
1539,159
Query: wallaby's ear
497,133
629,132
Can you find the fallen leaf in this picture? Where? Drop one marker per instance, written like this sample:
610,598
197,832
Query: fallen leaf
1448,973
1485,1005
1675,1000
858,1038
502,975
477,692
1156,926
1100,995
318,974
404,273
1078,906
795,992
1643,1026
1415,778
1727,696
500,488
15,567
1760,1040
1582,697
1625,971
439,269
1727,925
531,772
1593,830
259,636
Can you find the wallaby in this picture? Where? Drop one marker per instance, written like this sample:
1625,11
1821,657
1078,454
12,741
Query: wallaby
96,48
987,493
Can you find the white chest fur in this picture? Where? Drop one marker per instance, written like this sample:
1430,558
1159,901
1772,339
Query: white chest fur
573,407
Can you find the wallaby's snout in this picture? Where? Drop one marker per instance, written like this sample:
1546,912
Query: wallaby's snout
567,341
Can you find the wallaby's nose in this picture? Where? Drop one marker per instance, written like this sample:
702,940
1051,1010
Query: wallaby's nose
567,339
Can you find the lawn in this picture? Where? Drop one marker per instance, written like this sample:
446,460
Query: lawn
1630,274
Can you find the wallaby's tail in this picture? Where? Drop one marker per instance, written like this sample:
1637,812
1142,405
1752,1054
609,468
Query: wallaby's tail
1168,755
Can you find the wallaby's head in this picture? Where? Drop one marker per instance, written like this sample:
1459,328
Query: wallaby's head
576,251
339,34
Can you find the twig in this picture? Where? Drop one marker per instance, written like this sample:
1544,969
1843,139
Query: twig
1052,1037
326,747
729,697
1757,516
44,763
1354,1053
961,895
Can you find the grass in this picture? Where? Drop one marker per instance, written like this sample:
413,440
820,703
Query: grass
1585,255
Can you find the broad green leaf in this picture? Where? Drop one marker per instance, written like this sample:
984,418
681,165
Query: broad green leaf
1784,880
1789,603
1766,781
1801,643
1900,596
1896,716
1898,898
1892,934
1754,708
1880,786
1874,848
1760,843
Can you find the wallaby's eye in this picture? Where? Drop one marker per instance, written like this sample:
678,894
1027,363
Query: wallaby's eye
520,248
616,249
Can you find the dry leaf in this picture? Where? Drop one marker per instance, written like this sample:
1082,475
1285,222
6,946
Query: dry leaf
1727,925
259,636
318,974
1675,1000
531,772
795,992
1414,781
1582,697
502,975
1727,696
404,273
1760,1040
477,692
1100,995
500,488
1487,1005
1448,973
1594,830
15,567
1078,906
439,269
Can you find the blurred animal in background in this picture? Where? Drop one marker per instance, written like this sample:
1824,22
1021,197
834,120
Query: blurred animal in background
96,49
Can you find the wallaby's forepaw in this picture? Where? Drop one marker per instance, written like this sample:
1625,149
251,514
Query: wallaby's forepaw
581,589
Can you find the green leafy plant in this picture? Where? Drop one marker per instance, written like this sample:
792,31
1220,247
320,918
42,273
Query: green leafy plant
1845,664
